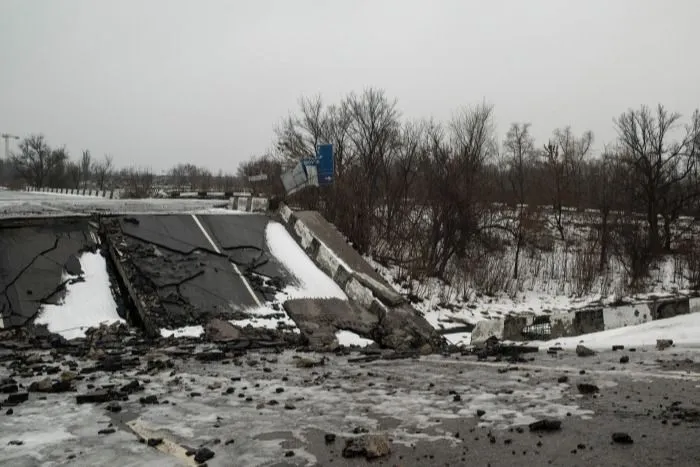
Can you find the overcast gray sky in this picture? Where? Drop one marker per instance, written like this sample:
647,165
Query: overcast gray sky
155,82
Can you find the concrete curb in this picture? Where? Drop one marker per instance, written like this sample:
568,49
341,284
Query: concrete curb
249,203
111,194
528,326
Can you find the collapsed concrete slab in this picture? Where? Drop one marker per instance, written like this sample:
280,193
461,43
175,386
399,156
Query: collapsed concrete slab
35,255
185,270
525,327
402,326
319,320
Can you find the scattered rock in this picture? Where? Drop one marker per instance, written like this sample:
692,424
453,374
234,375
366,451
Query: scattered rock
17,398
663,344
367,446
618,347
131,387
15,442
545,425
149,400
457,398
218,330
106,431
153,442
289,406
309,363
289,454
114,407
96,397
480,413
329,438
583,351
622,438
213,356
9,388
9,412
587,388
563,379
203,454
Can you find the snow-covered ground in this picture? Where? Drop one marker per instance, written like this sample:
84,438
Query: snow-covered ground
683,330
87,303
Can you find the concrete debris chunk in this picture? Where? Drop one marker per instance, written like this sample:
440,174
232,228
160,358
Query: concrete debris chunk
367,446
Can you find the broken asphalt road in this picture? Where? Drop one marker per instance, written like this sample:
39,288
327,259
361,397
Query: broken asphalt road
33,257
188,269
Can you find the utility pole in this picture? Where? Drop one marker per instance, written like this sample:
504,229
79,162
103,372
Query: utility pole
7,137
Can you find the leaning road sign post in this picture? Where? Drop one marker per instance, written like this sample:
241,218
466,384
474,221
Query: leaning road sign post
318,171
325,166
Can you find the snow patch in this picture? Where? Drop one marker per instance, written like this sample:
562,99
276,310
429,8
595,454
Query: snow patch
313,283
349,338
187,331
683,330
86,304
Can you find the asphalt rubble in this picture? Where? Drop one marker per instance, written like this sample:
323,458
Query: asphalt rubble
41,363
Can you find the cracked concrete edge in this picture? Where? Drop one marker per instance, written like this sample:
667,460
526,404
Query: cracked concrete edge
582,321
249,203
140,307
168,446
357,286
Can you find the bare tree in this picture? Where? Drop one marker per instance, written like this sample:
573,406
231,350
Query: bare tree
38,164
563,159
519,149
659,165
85,168
103,171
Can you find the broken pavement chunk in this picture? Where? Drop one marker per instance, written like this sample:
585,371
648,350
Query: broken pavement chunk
545,425
663,344
367,446
587,388
622,438
583,351
96,397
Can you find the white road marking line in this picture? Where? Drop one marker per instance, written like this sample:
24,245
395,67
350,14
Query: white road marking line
168,446
235,268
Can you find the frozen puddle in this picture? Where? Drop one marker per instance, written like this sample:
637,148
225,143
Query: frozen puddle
86,304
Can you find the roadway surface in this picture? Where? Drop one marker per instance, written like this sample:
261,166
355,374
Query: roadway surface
193,267
455,410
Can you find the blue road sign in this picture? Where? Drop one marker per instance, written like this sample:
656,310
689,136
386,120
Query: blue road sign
326,164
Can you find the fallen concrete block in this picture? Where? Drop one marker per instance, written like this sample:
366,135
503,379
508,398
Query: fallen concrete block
383,292
626,315
588,321
668,308
487,328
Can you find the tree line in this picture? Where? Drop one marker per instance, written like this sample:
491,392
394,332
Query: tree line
427,193
40,165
